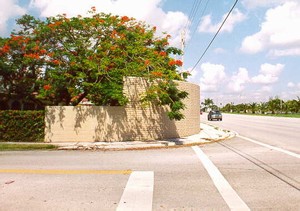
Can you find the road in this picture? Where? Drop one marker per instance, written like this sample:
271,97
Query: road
236,174
276,131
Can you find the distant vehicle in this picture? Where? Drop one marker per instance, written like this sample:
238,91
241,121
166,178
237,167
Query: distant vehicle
214,115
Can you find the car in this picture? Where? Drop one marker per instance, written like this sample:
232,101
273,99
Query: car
214,115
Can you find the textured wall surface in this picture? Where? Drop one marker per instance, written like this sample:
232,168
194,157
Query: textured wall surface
123,123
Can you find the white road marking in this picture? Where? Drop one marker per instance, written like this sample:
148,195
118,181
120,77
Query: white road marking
232,199
138,193
270,147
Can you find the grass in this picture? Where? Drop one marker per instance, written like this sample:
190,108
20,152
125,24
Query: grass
25,147
274,115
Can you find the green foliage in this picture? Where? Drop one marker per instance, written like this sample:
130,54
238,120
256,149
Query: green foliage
275,106
208,104
166,93
19,126
60,61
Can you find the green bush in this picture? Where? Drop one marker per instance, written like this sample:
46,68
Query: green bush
22,126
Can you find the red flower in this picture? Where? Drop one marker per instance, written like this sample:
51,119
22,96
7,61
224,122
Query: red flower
147,62
32,56
125,19
47,87
179,63
5,48
56,62
172,62
157,74
163,53
43,51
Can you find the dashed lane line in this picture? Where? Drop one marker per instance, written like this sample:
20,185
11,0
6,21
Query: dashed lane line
64,171
138,193
232,199
270,147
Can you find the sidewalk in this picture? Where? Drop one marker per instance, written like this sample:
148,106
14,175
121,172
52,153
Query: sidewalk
207,134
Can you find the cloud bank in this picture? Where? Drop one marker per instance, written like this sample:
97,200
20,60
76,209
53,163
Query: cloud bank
279,34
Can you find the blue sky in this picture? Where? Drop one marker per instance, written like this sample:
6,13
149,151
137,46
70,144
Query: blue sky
255,56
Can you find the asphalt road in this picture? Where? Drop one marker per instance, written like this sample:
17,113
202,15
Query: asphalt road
276,131
236,174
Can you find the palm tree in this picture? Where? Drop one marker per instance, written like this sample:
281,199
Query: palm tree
253,107
208,103
275,105
263,106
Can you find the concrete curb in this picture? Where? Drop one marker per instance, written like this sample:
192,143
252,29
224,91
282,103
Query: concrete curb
208,134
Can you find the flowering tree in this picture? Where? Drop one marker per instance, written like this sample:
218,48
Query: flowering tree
87,57
20,64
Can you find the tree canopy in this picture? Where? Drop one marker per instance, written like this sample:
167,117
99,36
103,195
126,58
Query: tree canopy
60,61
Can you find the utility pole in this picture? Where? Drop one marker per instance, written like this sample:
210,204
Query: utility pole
182,36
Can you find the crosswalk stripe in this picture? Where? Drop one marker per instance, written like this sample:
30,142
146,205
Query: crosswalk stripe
138,193
232,199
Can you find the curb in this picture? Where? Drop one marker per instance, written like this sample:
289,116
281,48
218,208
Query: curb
208,134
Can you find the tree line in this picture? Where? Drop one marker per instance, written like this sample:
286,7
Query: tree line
273,106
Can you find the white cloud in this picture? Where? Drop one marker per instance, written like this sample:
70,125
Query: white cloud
267,89
235,17
279,33
219,50
269,74
238,80
8,9
287,52
213,76
193,75
261,3
293,85
148,11
171,22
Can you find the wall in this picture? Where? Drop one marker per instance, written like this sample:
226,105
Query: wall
123,123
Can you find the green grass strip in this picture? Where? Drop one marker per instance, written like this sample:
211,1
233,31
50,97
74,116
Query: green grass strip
271,115
24,147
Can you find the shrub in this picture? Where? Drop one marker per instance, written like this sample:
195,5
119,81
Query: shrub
22,126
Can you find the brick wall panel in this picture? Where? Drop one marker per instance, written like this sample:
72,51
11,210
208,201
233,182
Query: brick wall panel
123,123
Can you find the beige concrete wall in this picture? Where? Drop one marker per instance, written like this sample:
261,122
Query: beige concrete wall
123,123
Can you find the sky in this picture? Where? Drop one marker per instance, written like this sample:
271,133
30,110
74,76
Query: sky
254,57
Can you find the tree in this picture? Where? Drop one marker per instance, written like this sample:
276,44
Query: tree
292,106
87,57
20,67
275,105
228,108
242,107
263,107
253,107
208,103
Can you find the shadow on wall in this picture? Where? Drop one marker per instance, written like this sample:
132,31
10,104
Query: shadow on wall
123,123
107,123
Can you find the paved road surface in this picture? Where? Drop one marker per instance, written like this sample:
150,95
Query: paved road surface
233,174
276,131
